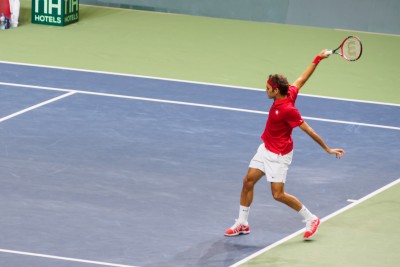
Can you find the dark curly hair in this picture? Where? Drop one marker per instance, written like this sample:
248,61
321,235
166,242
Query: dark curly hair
281,82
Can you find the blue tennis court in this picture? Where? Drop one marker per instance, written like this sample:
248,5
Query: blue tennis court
117,170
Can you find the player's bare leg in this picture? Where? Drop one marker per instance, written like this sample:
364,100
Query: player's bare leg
279,194
241,225
312,221
252,177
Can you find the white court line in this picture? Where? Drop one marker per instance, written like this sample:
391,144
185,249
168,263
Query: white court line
354,123
186,81
351,100
191,104
36,106
63,258
374,33
330,216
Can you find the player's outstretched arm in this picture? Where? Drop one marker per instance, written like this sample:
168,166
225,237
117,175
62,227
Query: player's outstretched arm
309,70
310,131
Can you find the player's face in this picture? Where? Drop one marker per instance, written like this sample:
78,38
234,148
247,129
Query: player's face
270,91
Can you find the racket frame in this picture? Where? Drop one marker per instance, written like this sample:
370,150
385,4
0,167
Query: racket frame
336,51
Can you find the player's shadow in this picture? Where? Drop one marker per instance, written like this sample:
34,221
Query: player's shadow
222,252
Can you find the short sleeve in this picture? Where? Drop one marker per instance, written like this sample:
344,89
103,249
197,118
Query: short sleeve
294,118
293,92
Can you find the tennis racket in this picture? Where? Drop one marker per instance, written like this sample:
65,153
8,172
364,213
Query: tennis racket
350,49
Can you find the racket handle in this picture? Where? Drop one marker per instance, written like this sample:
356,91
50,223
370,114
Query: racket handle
328,52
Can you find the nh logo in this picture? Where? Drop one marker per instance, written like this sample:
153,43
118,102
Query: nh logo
71,6
51,7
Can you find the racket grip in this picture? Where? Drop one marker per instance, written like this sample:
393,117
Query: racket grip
328,52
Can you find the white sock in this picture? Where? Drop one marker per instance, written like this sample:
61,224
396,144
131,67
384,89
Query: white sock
307,215
243,215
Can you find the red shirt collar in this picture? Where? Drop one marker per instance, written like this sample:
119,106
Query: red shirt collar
282,101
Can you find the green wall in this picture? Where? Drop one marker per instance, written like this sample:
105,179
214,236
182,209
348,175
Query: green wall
362,15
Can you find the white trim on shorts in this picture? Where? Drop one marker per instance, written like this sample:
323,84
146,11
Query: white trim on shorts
274,166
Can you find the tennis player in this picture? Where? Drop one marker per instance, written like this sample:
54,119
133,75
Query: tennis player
275,154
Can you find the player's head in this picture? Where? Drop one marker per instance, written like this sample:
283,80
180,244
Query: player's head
280,82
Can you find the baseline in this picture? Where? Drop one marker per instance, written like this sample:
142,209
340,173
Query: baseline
186,81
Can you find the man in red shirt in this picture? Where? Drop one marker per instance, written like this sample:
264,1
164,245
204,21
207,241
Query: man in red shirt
275,154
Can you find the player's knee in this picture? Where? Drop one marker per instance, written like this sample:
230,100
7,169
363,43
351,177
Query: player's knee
248,183
278,196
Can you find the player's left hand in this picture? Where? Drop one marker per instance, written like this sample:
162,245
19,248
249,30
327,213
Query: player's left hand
337,151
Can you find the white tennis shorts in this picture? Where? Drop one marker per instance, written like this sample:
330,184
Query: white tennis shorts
273,165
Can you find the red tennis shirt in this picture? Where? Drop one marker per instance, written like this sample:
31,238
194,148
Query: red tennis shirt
283,117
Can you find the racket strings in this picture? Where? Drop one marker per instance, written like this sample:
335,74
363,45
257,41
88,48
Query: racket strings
351,49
